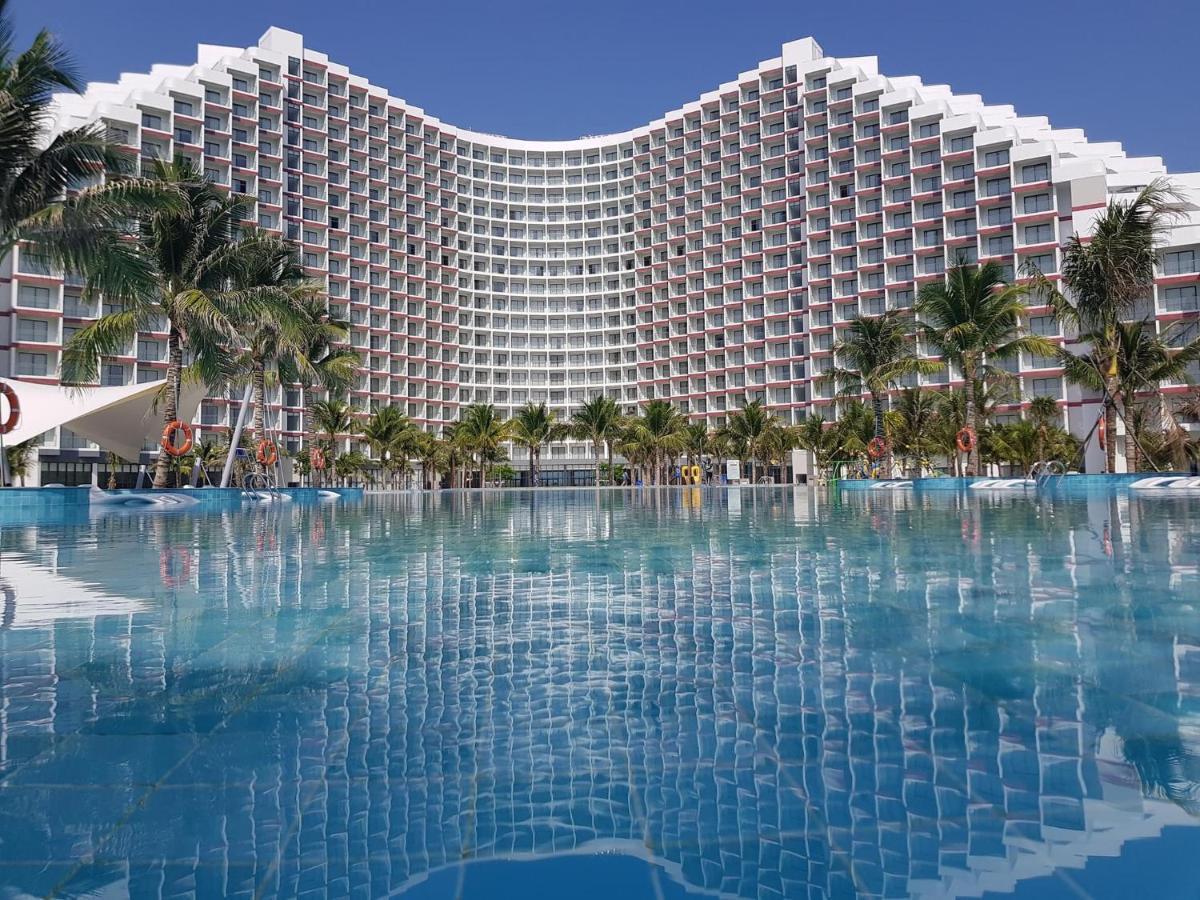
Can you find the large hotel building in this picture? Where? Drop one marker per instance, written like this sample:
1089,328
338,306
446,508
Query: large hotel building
709,257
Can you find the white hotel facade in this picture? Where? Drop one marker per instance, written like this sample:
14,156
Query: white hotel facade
710,257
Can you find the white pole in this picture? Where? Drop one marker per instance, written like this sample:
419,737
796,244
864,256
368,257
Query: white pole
237,437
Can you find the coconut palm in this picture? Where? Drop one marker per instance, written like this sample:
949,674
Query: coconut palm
21,458
1104,274
1044,413
598,421
1141,360
533,427
876,354
823,443
433,454
655,437
281,327
755,433
481,432
392,436
51,189
916,412
331,418
325,365
973,318
697,441
181,271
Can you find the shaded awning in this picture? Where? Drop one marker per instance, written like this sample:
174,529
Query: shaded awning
121,419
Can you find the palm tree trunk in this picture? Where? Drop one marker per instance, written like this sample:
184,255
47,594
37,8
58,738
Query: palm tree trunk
972,420
260,413
596,450
885,463
1132,456
171,405
1110,434
609,451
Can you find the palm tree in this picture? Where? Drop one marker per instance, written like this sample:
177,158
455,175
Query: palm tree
392,436
331,418
433,454
325,364
348,465
823,443
281,330
973,318
21,459
1141,361
696,441
916,411
1044,413
878,352
1103,276
755,433
598,421
655,436
533,427
179,271
51,190
482,433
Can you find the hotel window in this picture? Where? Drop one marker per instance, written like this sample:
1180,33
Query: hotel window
960,172
997,187
1036,203
961,143
1180,299
35,364
1179,262
963,227
1039,234
34,297
1046,326
999,215
1000,245
1045,387
995,158
1043,262
1036,172
929,129
36,330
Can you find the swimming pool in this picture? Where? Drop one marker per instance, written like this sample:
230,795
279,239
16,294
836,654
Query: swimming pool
675,693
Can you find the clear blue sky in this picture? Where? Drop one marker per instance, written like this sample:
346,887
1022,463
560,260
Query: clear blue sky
1123,70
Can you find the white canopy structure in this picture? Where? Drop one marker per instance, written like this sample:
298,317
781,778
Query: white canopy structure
121,419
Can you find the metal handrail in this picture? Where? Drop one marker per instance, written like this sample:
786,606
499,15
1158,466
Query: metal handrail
1045,469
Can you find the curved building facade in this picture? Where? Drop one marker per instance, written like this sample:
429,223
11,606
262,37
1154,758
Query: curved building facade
708,258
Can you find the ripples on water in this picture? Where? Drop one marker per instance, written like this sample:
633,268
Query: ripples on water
759,693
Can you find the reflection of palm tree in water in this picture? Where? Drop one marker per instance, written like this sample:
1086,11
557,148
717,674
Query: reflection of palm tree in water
9,615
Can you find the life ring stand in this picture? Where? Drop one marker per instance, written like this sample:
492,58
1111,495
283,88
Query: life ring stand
14,408
316,458
167,442
266,453
877,447
966,439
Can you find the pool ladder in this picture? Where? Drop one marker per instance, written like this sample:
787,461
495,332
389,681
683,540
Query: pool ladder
260,486
1046,469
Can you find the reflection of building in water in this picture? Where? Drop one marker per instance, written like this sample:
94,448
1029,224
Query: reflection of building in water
925,712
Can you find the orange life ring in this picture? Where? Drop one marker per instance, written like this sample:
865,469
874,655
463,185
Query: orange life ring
1102,432
877,448
266,452
316,458
14,408
168,438
966,440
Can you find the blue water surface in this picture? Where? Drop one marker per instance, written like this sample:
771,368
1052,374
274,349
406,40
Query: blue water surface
751,693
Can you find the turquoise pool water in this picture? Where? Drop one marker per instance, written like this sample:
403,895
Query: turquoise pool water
752,693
